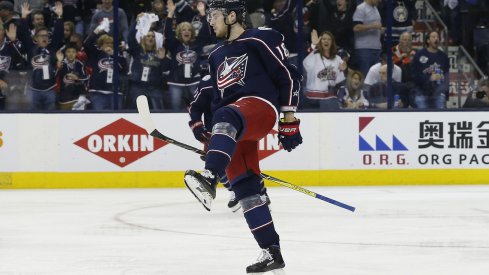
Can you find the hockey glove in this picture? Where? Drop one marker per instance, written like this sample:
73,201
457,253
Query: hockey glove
289,134
200,132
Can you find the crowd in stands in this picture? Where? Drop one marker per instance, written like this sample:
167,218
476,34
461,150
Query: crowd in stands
64,50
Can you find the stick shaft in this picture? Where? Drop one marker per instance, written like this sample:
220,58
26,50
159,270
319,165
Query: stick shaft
144,113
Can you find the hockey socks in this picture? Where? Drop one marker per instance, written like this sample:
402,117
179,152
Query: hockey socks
219,155
227,125
259,220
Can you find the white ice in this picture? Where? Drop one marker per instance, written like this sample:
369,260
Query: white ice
411,230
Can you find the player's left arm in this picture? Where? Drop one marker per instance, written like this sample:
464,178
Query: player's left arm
271,47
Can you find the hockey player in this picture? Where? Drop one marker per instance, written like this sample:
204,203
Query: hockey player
252,81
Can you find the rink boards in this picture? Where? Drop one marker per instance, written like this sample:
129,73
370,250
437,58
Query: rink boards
113,150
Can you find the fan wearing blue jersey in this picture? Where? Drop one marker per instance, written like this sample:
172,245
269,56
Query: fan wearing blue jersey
252,82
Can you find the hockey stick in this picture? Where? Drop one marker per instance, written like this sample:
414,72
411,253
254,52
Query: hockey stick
144,114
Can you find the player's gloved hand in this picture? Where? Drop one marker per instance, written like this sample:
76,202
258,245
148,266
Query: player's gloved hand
289,134
200,132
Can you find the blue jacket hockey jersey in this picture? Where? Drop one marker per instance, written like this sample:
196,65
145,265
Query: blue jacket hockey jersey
254,64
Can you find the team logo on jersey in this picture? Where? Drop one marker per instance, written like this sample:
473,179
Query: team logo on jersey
232,71
120,142
186,57
40,60
5,63
105,64
400,13
327,73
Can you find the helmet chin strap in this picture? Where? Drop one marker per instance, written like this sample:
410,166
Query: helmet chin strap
229,27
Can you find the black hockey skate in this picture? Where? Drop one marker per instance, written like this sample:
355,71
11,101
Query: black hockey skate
233,203
270,259
202,185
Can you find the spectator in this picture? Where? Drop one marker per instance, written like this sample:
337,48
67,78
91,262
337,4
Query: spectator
480,98
324,69
373,75
351,96
147,67
159,8
377,94
101,60
71,77
339,20
106,11
182,11
403,52
69,29
9,48
81,54
37,18
367,28
203,30
283,20
431,69
404,17
255,17
6,13
41,55
72,11
452,18
403,55
185,70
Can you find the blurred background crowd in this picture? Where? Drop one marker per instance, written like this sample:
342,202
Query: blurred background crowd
355,54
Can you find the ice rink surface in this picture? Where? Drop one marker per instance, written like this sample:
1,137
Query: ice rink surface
411,230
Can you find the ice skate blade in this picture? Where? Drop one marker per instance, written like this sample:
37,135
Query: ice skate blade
279,271
199,192
235,208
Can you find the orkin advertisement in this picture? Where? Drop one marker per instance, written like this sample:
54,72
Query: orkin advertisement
121,142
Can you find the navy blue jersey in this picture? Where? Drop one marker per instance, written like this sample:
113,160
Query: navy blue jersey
185,69
8,51
426,63
43,60
255,64
102,65
70,89
201,105
145,68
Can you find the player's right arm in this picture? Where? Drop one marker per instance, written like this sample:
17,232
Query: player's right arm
198,107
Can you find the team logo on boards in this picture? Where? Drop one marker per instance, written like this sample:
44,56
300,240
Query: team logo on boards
268,145
121,142
380,145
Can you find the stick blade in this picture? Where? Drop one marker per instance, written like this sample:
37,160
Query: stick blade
143,110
